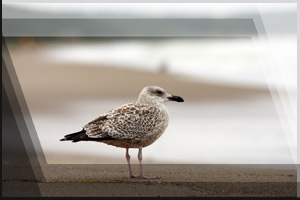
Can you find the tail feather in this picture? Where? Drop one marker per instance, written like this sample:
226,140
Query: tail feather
75,137
81,135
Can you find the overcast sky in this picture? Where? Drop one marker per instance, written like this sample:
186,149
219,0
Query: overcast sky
155,9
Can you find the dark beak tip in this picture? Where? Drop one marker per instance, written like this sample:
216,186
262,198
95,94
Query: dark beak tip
176,98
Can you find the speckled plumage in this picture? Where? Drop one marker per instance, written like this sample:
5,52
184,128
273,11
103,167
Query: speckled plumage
133,125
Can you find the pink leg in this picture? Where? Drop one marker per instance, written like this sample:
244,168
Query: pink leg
128,161
140,157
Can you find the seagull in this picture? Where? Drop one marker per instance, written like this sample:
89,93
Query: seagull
133,125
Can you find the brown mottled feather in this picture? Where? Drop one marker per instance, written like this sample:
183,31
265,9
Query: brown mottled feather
130,121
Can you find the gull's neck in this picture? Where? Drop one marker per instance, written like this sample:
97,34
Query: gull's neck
143,100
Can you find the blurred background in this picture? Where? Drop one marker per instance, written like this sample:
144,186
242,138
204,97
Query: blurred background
240,104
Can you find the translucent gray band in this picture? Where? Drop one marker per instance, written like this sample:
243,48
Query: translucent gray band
128,27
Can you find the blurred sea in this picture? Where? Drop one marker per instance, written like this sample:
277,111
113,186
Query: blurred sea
222,60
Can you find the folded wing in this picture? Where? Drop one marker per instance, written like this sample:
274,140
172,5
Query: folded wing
129,122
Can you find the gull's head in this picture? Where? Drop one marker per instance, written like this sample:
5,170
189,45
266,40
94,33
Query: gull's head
155,94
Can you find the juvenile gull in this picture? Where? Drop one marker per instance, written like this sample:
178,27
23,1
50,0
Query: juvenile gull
133,125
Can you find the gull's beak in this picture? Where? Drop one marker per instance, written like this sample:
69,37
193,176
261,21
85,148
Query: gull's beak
175,98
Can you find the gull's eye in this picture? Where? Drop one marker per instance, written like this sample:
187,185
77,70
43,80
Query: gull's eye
158,92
